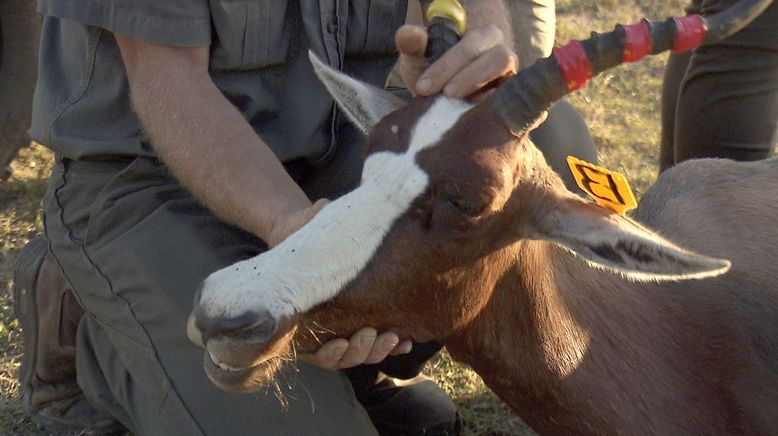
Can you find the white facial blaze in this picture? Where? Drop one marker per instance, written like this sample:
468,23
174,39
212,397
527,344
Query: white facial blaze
317,261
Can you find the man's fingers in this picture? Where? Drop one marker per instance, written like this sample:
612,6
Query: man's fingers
498,62
328,355
385,343
475,43
403,347
478,59
359,348
364,347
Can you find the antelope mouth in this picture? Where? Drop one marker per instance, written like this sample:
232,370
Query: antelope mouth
236,365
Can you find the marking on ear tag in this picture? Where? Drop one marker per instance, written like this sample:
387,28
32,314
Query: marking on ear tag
608,188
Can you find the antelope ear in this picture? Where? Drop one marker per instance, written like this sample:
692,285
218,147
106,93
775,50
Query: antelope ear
364,104
610,241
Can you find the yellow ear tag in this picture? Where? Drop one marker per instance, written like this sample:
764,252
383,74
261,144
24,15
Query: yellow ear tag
608,188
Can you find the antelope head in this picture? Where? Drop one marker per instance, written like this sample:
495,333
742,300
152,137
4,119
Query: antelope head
448,190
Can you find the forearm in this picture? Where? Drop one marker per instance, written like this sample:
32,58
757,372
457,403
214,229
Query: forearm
484,12
210,147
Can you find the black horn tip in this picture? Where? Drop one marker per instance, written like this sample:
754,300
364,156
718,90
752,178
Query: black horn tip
733,19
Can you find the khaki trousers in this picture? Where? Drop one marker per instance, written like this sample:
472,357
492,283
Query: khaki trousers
135,245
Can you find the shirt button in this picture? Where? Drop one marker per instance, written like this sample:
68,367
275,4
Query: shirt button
332,25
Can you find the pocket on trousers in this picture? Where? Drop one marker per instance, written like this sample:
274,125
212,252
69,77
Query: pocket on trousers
250,34
111,214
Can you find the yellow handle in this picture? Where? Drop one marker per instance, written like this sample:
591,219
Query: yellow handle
450,9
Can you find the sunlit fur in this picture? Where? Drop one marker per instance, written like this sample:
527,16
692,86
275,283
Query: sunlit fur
475,262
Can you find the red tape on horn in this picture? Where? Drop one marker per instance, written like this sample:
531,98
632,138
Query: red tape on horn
691,32
638,41
573,64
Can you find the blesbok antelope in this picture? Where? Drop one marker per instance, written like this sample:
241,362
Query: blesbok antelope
581,319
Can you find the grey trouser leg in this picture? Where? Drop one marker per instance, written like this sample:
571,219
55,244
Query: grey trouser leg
134,245
722,100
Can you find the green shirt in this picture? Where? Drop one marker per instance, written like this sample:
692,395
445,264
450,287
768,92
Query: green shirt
258,60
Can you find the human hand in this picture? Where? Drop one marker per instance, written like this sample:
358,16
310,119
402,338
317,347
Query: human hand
287,224
366,346
479,60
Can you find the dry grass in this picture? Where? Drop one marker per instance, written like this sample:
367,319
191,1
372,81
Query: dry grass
20,219
621,109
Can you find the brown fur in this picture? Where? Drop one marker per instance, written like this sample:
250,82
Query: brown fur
570,348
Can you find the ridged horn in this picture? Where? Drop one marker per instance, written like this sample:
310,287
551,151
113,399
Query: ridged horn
522,99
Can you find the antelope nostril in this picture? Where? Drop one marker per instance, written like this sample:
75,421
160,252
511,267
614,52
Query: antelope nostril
257,333
249,327
198,294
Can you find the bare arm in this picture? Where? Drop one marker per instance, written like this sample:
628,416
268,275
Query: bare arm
209,146
485,12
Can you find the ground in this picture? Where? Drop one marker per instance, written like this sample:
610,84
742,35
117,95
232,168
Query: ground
621,108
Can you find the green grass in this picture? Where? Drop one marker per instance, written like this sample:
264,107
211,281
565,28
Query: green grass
621,108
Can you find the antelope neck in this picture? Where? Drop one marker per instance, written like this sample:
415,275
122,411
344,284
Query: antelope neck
563,332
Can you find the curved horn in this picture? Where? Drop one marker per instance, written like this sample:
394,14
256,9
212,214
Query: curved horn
521,100
732,20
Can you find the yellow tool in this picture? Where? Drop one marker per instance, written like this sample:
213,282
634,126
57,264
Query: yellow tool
450,10
446,23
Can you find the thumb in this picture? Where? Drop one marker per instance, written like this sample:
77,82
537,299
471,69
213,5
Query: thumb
314,209
294,221
411,42
307,214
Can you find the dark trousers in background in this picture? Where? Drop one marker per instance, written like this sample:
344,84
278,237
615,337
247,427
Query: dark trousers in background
722,100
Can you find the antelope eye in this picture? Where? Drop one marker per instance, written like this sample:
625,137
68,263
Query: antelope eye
471,209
